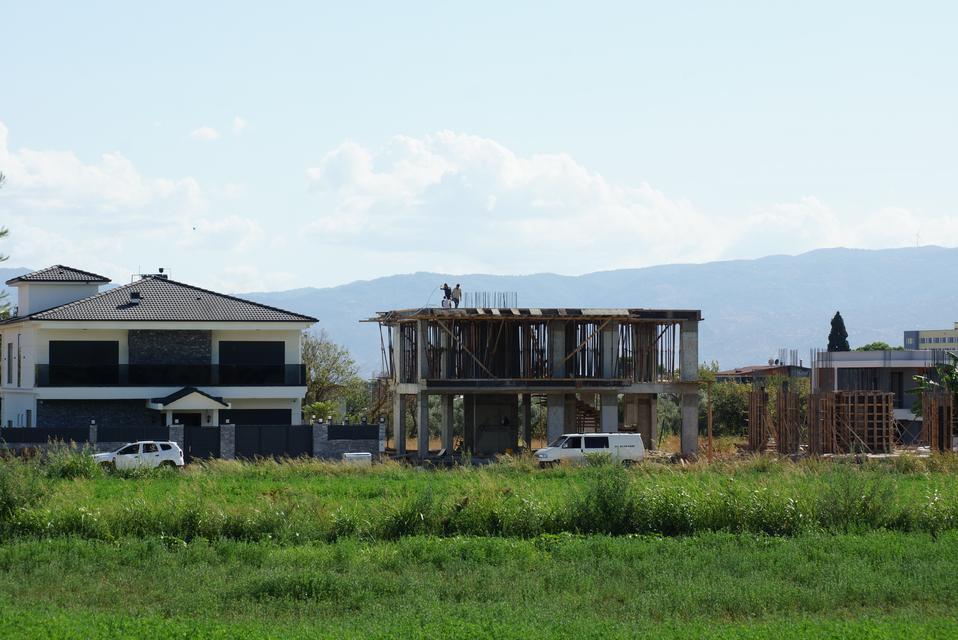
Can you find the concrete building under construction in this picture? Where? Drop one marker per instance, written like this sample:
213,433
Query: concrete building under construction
575,361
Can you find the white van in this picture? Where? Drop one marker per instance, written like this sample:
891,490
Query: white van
626,448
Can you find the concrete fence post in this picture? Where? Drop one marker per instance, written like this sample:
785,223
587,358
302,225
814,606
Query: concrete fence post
177,436
320,433
228,441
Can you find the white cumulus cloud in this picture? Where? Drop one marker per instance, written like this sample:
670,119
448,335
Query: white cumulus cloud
106,216
205,134
458,199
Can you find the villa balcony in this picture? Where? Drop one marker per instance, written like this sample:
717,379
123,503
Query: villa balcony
170,375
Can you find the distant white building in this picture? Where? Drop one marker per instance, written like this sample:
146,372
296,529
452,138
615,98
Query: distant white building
152,352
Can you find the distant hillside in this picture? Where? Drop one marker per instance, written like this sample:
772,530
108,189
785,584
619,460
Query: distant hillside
751,307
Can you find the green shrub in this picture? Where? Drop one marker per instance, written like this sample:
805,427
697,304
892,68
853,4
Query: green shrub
67,461
19,486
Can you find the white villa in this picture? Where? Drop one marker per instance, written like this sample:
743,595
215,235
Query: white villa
153,352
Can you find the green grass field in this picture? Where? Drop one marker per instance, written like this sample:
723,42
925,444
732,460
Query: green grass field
758,548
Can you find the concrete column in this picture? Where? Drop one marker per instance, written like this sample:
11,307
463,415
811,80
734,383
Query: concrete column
397,354
610,350
645,416
557,348
571,409
92,435
689,350
422,420
446,413
422,370
609,413
228,441
654,421
690,424
527,419
555,417
399,423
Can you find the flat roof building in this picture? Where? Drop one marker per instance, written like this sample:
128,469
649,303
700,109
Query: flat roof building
499,358
932,339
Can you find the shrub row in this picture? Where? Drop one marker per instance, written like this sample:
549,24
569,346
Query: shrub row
608,500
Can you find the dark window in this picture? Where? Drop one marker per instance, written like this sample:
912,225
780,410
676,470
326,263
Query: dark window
9,379
149,447
597,442
165,447
252,352
252,362
573,443
84,362
19,363
128,450
29,418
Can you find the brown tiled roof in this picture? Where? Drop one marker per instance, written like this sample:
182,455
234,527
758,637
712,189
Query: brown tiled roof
59,273
155,298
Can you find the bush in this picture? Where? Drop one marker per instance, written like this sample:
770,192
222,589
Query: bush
66,461
19,487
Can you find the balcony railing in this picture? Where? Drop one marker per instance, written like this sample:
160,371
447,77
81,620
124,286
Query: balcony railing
170,375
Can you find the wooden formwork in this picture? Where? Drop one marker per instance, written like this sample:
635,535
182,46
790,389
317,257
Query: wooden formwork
864,421
821,423
851,422
937,419
787,425
759,423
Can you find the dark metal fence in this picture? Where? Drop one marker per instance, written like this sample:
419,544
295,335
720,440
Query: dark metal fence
132,434
201,442
42,435
353,432
273,441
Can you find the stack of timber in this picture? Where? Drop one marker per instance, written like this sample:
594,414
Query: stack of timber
787,424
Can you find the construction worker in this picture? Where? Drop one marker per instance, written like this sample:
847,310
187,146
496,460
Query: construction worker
456,295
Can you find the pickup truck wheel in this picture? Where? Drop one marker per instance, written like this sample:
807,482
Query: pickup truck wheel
108,466
546,465
168,464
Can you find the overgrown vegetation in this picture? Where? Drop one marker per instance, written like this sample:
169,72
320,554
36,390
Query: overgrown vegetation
306,548
306,500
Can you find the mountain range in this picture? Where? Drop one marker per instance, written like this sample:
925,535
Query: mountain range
751,308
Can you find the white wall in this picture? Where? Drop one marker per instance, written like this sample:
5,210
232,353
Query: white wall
39,296
15,405
25,337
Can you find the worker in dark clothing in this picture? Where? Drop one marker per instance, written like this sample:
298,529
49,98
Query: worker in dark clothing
456,295
446,291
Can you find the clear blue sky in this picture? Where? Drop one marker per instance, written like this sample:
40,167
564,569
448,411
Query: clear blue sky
275,145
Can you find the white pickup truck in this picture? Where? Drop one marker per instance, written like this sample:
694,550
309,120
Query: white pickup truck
626,448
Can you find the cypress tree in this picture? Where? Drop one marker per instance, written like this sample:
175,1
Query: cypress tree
838,337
